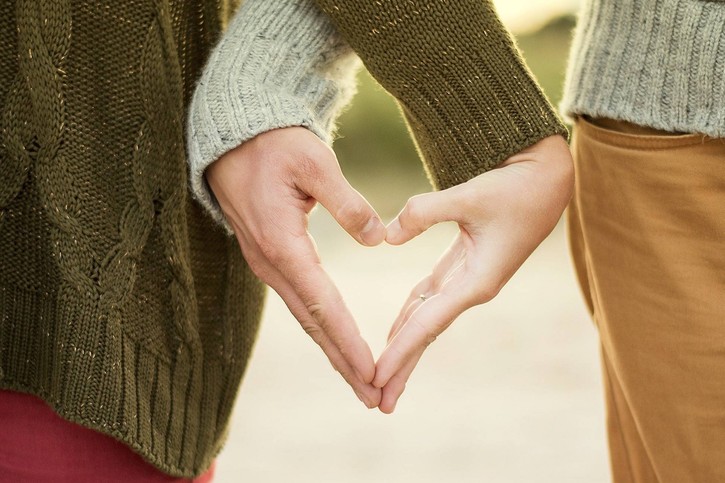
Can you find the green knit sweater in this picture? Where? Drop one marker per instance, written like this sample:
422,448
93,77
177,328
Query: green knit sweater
122,304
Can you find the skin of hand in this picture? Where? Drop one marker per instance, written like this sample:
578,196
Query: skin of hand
503,215
266,188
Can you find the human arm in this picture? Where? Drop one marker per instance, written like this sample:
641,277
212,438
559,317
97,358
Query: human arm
267,191
472,106
279,64
502,215
279,74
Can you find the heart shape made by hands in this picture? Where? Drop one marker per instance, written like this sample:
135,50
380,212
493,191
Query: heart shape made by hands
267,187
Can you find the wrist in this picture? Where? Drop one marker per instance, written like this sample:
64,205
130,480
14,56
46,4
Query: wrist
279,64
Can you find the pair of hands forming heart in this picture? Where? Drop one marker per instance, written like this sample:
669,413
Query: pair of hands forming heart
267,187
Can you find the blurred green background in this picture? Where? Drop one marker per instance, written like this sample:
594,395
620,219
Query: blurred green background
374,148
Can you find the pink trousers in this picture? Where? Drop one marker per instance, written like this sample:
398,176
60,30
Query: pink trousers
38,446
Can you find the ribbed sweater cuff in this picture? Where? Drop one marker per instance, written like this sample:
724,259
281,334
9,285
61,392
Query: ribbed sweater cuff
279,64
469,99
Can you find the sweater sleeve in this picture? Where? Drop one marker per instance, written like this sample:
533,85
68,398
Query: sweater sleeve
280,63
469,99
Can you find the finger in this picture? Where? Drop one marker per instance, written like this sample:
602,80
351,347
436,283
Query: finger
396,385
369,395
422,327
365,391
323,302
412,303
296,259
426,288
421,212
349,208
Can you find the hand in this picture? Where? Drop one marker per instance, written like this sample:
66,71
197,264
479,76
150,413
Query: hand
503,215
266,188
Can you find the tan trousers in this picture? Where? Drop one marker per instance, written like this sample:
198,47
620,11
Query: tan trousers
647,232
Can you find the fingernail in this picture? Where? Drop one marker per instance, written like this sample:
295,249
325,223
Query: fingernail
394,229
374,232
362,399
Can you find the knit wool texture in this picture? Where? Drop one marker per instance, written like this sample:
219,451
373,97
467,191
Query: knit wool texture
122,304
267,72
656,63
468,98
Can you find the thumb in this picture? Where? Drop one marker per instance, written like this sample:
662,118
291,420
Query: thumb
420,213
349,208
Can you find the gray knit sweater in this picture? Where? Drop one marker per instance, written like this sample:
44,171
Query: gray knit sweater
281,63
657,63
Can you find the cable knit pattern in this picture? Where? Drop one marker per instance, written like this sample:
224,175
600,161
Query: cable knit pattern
122,304
280,64
657,63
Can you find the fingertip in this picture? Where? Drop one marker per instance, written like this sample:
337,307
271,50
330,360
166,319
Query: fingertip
369,403
388,402
372,405
380,381
395,235
366,376
386,409
374,232
373,399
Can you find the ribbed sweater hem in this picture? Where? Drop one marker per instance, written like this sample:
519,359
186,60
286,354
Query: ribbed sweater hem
171,395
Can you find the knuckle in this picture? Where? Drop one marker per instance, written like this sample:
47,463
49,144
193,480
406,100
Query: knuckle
396,350
312,163
314,331
567,177
414,211
308,166
258,268
316,312
487,292
429,335
271,249
269,155
354,212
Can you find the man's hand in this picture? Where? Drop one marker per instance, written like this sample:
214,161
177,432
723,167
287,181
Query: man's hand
503,215
266,189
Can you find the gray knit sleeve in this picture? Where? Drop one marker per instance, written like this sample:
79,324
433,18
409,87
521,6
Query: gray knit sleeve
280,63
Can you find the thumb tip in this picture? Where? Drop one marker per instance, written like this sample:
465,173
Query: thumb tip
394,232
378,382
374,232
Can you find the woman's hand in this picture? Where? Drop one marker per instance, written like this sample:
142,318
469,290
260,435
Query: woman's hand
503,216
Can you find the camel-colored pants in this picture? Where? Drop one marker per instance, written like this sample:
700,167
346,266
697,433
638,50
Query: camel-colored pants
647,232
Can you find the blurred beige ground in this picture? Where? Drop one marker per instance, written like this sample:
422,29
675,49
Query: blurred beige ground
509,394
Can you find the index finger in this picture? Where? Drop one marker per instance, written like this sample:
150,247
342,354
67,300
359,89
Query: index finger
423,326
304,273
